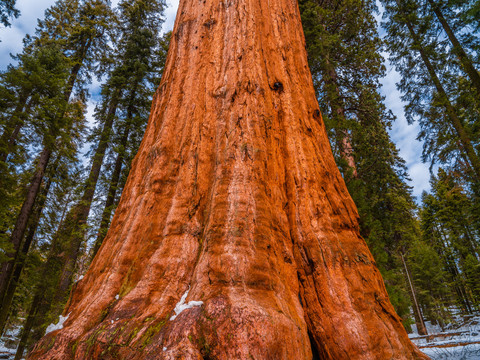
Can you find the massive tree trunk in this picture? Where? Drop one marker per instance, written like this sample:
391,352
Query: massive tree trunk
233,200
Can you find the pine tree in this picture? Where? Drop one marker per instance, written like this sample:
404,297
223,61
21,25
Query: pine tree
429,88
441,11
128,140
429,276
65,150
126,89
449,226
50,249
56,118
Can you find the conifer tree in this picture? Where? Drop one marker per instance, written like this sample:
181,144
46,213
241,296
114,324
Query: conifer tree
36,311
449,226
440,9
56,118
125,144
139,34
418,54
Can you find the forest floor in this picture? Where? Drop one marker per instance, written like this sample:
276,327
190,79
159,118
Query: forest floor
458,341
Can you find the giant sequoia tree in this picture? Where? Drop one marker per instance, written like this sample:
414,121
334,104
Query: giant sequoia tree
234,206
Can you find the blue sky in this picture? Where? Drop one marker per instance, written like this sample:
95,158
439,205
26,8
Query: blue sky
403,135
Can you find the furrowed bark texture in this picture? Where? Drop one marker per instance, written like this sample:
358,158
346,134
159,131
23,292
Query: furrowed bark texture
235,196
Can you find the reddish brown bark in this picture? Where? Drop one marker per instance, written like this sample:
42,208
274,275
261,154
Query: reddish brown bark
235,196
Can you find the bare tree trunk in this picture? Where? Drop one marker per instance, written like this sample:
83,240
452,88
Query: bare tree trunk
29,323
235,206
41,302
23,217
421,328
20,259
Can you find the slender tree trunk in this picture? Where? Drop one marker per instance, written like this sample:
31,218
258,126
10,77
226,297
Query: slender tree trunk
33,190
73,230
234,205
465,61
112,191
22,219
27,207
20,258
12,129
453,270
41,303
421,328
29,323
467,146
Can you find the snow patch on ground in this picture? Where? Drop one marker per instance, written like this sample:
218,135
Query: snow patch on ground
182,306
461,352
8,343
57,326
458,341
5,350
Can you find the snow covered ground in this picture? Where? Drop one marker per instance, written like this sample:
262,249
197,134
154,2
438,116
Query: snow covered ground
8,343
461,342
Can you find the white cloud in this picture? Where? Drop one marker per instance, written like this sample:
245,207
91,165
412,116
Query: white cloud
30,11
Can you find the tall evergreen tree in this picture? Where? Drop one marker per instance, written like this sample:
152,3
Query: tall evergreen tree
50,249
430,87
449,227
56,115
128,135
127,89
